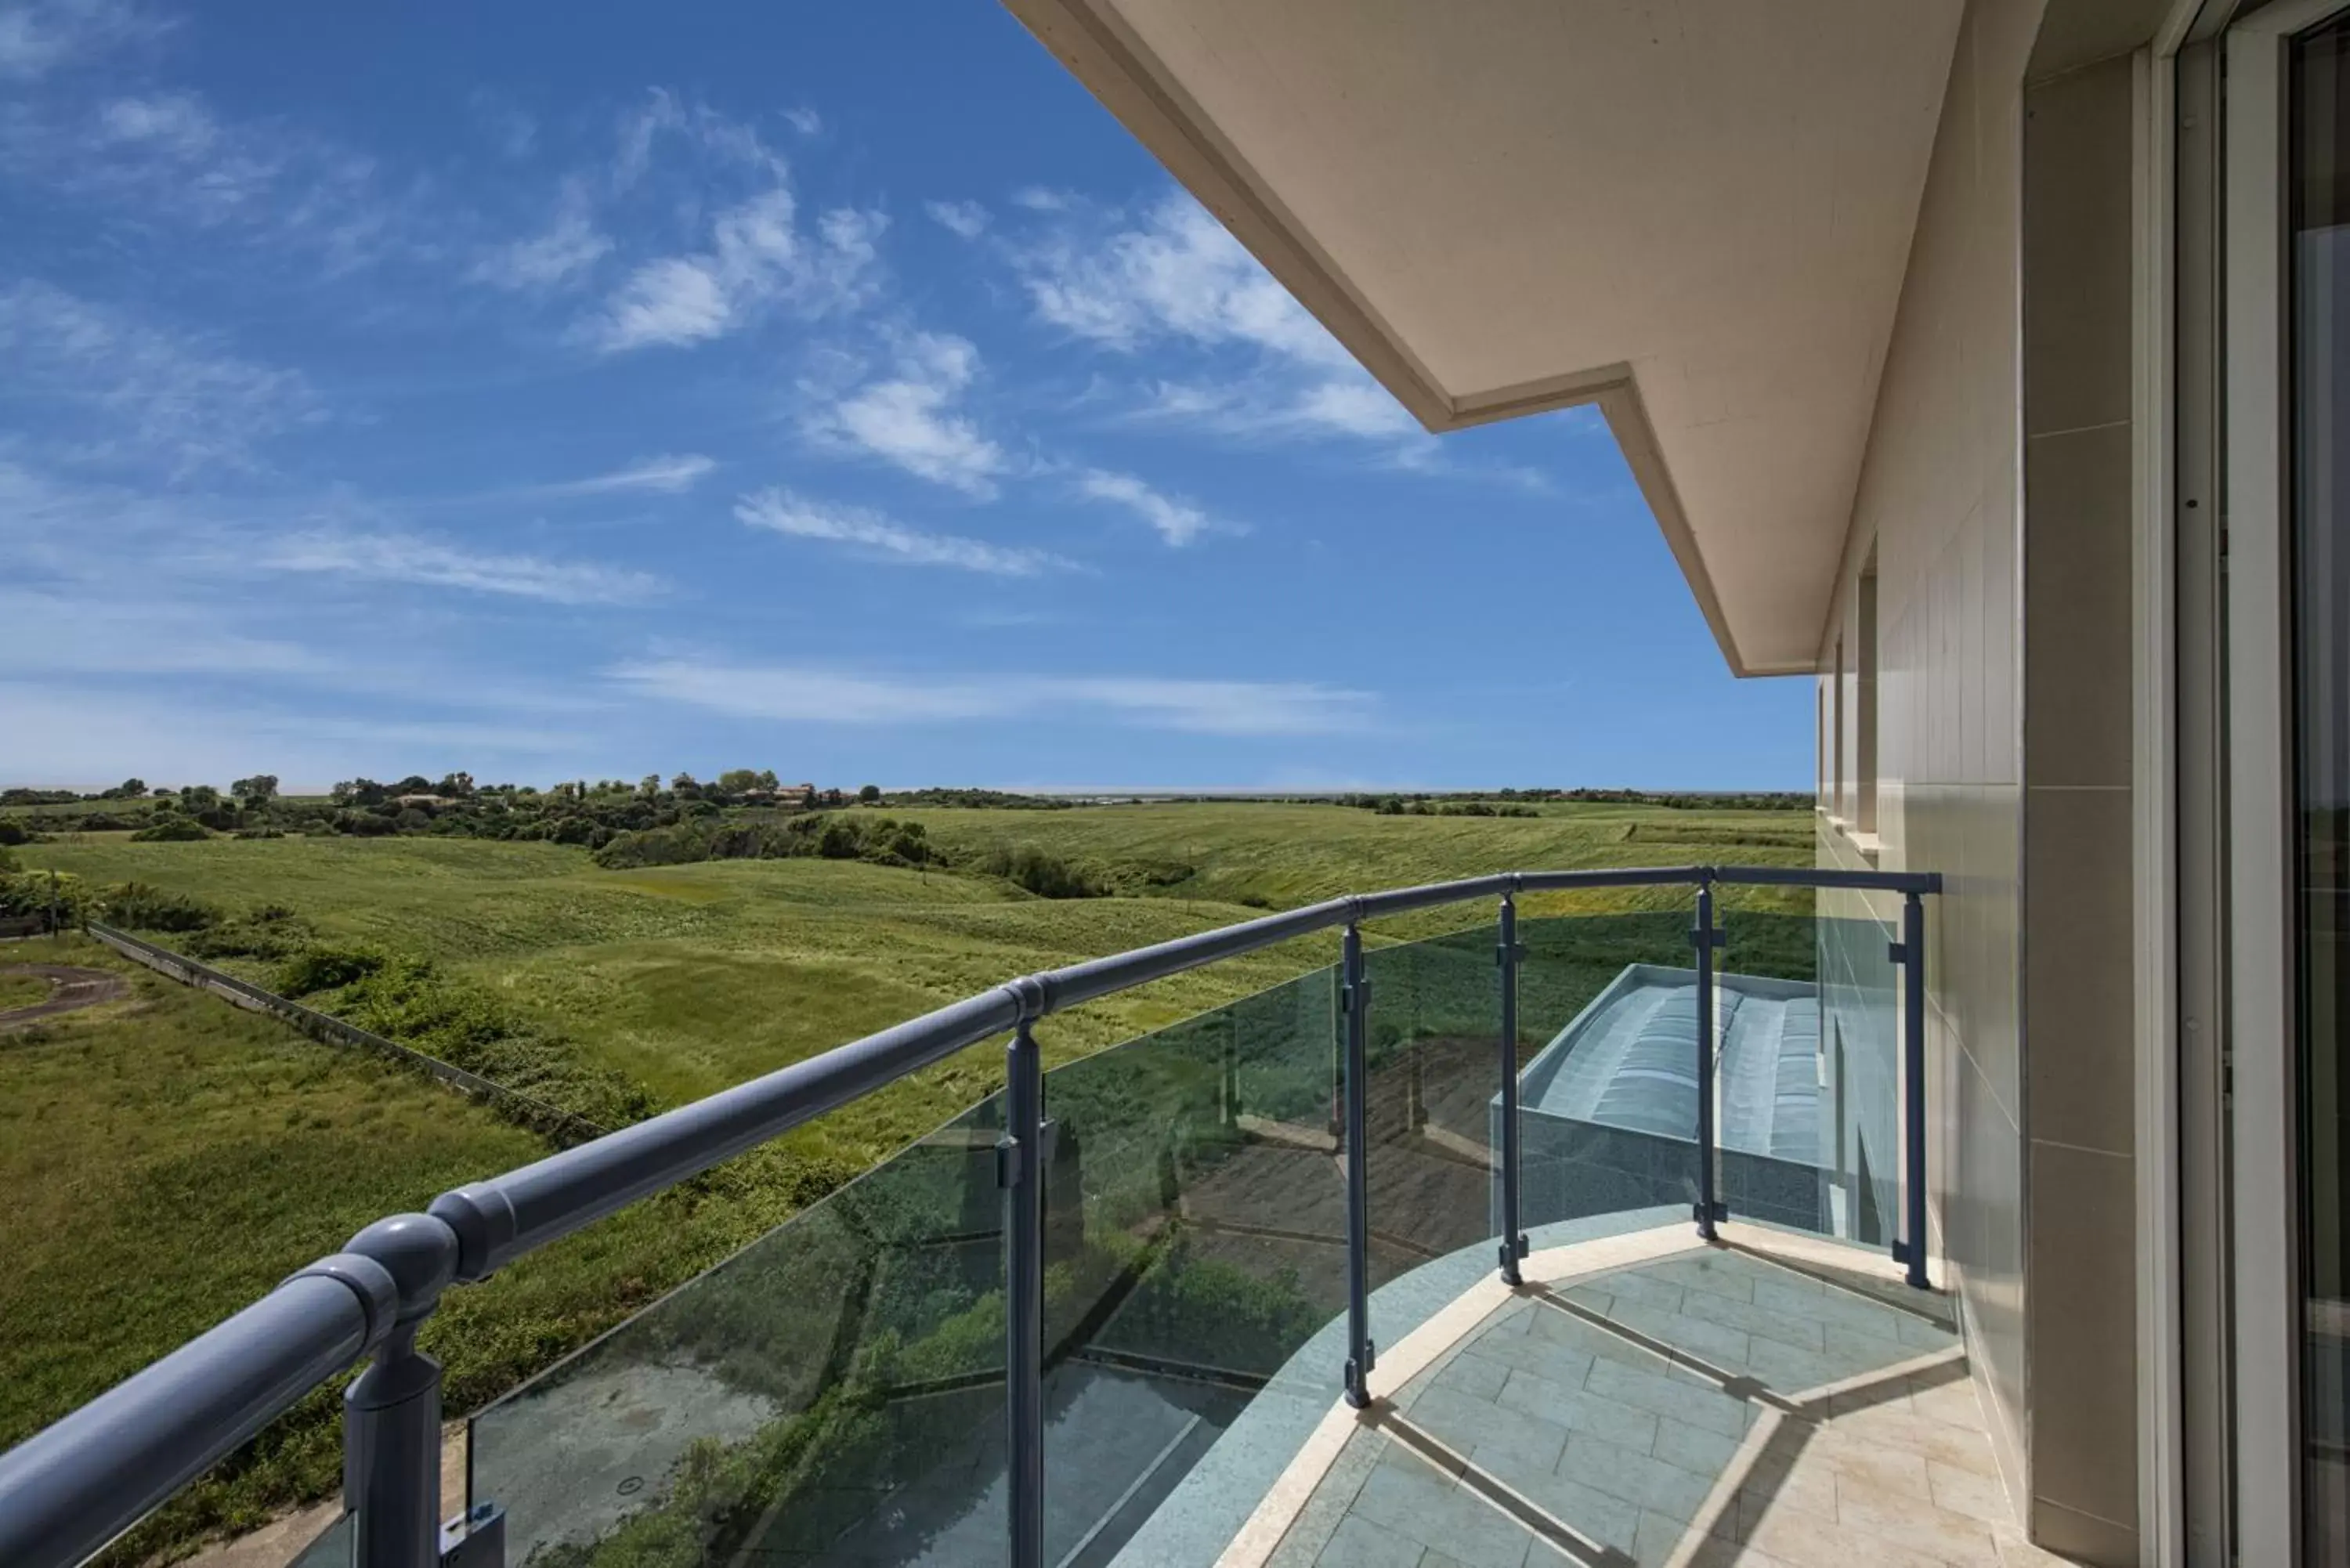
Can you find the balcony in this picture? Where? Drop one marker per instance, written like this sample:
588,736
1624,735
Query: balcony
1234,1292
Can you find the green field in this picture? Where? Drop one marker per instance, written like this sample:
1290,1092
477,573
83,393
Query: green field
133,1137
168,1159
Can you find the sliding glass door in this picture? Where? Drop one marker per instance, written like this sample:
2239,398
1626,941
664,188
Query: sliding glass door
2317,637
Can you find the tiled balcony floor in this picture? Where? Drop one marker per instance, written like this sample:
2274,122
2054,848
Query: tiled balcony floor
1778,1401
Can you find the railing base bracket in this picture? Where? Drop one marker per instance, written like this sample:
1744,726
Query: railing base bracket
475,1539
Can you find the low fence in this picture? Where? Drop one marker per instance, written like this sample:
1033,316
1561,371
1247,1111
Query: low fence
561,1126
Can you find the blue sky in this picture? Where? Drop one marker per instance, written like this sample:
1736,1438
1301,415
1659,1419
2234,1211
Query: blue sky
551,390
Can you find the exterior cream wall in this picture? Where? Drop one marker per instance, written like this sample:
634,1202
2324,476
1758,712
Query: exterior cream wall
1939,501
2079,990
1996,493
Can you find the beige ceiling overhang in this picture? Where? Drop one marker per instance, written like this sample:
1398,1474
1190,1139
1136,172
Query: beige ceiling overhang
1694,214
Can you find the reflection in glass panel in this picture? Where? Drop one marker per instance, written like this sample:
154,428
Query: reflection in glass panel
2321,650
1809,1066
336,1546
1607,1034
833,1392
1433,1049
1194,1241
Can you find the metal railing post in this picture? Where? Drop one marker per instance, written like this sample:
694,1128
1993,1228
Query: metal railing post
392,1412
1020,1170
1910,952
1355,1002
1508,953
1705,939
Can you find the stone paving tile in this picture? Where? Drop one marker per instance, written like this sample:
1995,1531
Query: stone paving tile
1898,1427
1719,1274
1436,1512
1461,1423
1537,1353
1580,1411
1976,1496
1920,1335
1478,1376
1716,1343
1786,1327
1800,1488
1359,1543
1589,1512
1951,1537
1635,1477
1660,1535
1816,1543
1625,1448
1953,1403
1692,1447
1794,1293
1698,1404
1634,1285
1564,1328
1327,1508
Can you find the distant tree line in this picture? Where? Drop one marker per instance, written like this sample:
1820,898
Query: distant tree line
1511,802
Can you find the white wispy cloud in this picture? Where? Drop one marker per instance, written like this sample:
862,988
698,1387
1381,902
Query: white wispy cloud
563,252
44,36
817,694
878,538
757,259
1175,273
1178,521
1174,276
664,475
967,219
803,119
909,416
137,392
391,557
167,160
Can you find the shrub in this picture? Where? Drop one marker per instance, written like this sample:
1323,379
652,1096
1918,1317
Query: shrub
145,909
172,830
315,970
36,892
13,832
1044,875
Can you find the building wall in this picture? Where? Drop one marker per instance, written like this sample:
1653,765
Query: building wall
1997,495
2079,996
1939,502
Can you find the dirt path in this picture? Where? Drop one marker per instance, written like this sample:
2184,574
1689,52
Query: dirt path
70,987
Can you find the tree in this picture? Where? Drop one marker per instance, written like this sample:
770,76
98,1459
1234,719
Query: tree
648,787
870,795
684,786
456,786
737,781
199,797
129,789
767,779
258,790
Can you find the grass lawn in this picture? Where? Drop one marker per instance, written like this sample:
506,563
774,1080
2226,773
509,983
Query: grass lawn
20,990
170,1158
133,1139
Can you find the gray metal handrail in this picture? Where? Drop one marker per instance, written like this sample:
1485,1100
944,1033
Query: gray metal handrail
70,1489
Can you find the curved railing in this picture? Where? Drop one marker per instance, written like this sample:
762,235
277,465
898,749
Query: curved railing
71,1489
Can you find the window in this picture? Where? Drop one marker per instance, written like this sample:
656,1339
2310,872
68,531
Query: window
1865,698
1837,777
